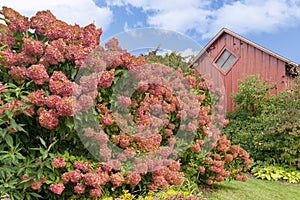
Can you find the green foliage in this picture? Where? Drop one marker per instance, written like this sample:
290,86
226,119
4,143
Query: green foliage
266,125
277,173
173,60
252,95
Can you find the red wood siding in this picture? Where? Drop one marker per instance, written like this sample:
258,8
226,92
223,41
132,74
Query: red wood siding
250,60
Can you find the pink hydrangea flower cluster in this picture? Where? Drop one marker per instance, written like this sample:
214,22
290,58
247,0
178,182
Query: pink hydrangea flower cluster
106,78
127,60
59,162
65,107
204,118
125,101
107,119
84,166
7,37
38,74
84,102
123,139
117,179
17,22
105,152
96,192
79,188
57,188
52,100
89,132
8,58
53,55
37,97
89,83
48,119
191,81
96,179
35,185
18,73
148,143
242,177
101,137
164,176
57,107
196,147
33,47
75,42
74,175
40,20
59,84
133,178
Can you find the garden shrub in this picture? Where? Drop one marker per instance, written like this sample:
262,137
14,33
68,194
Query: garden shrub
59,125
267,125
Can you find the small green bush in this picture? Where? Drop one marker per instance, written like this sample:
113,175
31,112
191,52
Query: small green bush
267,126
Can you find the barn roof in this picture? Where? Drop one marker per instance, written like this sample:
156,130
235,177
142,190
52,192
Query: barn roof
225,30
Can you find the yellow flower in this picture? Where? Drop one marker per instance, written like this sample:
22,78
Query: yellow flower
126,195
108,198
148,198
171,191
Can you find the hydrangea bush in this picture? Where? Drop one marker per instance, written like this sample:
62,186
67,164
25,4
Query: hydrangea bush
66,133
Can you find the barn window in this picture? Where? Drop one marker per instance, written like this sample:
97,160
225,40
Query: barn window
225,60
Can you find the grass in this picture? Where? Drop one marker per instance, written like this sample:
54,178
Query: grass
253,189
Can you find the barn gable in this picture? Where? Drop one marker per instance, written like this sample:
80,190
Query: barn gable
233,56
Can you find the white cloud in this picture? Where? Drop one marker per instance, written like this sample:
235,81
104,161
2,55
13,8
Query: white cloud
208,17
159,5
188,52
255,16
139,24
82,12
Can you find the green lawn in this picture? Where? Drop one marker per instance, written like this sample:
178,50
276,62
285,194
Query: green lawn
254,189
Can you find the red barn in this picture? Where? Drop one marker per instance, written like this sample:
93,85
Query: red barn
233,56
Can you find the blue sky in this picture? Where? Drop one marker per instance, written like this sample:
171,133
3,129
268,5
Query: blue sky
274,24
